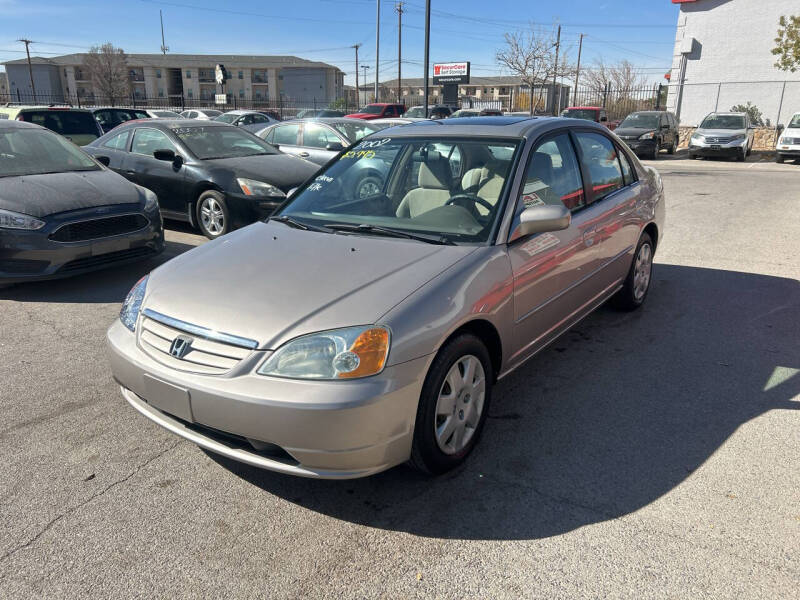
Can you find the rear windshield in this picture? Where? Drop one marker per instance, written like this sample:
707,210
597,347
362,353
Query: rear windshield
228,117
372,109
580,113
641,121
212,113
354,131
65,122
207,143
36,152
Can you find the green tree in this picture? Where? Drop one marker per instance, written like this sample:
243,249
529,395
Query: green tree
788,44
756,117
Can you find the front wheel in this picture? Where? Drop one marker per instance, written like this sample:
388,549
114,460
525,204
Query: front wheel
780,159
742,156
453,405
672,148
213,216
637,283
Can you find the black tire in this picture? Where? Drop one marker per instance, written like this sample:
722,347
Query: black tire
426,454
672,148
742,156
693,156
654,153
628,298
780,159
220,223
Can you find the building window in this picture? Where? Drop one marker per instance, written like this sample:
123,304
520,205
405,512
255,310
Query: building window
190,93
160,93
258,96
258,76
241,93
241,75
280,77
158,73
188,74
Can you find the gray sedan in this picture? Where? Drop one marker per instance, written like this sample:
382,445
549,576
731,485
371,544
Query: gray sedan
361,334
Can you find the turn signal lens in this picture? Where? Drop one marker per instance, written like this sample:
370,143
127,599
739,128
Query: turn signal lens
371,348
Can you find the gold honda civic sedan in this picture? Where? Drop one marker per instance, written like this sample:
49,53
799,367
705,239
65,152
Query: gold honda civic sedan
347,334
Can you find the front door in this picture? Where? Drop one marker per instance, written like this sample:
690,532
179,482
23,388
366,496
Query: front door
552,271
159,176
287,138
316,138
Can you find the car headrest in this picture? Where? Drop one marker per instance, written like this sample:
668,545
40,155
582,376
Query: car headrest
435,173
543,166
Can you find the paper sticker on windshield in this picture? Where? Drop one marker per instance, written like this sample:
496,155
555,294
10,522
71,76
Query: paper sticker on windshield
532,199
356,154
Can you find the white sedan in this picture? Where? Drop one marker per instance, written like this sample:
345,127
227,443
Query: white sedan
788,145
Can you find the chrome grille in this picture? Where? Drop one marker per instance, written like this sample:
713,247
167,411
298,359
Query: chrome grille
718,140
205,355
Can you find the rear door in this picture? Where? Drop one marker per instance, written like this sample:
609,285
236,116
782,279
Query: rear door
552,271
116,149
612,227
159,176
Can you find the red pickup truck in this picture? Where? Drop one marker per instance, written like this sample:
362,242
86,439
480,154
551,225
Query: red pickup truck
378,110
590,113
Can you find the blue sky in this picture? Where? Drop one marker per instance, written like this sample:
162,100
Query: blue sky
641,31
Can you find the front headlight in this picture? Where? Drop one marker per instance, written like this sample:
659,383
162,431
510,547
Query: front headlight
251,187
336,354
738,137
696,137
150,201
13,220
132,304
648,136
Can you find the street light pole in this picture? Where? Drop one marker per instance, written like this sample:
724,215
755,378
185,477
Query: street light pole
358,93
377,48
399,9
427,52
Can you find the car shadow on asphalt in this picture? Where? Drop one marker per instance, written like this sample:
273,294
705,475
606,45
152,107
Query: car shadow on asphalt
107,285
611,417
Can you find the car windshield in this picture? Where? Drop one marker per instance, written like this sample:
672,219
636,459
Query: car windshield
465,113
166,114
415,112
222,142
65,122
415,186
723,122
372,109
228,117
355,131
580,113
36,151
641,121
211,114
795,122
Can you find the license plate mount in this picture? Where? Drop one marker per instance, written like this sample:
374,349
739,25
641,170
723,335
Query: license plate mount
167,397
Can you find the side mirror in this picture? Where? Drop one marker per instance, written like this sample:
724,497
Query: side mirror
165,155
539,219
603,119
781,127
103,160
334,147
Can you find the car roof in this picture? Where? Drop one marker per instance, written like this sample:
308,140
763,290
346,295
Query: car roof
511,127
727,114
54,107
170,123
14,124
329,120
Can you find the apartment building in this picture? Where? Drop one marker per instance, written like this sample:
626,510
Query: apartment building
187,76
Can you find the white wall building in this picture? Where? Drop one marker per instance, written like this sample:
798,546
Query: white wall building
723,58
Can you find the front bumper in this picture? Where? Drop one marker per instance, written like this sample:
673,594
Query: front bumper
33,256
249,209
641,146
732,149
788,150
321,429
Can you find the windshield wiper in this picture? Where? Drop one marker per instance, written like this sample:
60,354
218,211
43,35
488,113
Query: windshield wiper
389,232
292,222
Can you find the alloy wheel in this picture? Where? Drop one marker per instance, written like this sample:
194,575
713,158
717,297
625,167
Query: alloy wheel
642,271
460,404
212,216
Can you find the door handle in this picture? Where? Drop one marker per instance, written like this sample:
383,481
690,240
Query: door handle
129,172
588,236
303,155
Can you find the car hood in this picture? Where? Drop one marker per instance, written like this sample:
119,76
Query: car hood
269,282
791,132
43,195
721,132
281,170
632,131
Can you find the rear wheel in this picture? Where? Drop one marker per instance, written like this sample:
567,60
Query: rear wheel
780,159
693,156
453,405
637,283
213,217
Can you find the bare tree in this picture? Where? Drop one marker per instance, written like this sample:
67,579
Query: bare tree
531,56
620,77
107,67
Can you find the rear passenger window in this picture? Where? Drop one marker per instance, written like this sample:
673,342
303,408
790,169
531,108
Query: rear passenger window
119,141
602,161
553,176
627,170
286,134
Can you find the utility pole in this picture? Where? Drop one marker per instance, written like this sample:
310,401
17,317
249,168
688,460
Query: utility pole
555,72
377,49
365,67
358,93
164,48
427,51
30,68
578,71
399,9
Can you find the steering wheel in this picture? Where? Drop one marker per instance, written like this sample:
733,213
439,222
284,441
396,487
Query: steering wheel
458,199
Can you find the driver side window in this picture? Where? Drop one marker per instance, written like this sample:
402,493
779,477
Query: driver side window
146,141
553,176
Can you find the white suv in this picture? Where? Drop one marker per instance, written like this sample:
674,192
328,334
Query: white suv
788,145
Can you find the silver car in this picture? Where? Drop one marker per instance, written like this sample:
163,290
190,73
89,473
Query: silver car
342,337
723,134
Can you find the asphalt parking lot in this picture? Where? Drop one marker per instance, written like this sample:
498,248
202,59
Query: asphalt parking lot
646,455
